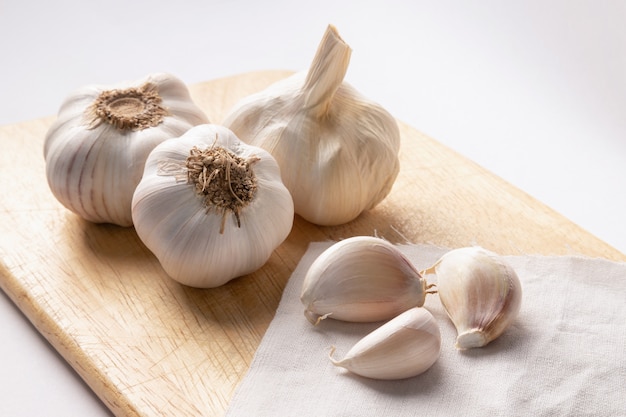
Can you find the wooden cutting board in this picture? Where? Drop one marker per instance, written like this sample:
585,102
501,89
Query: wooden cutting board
148,346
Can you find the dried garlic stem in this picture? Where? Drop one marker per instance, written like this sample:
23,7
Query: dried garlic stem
327,71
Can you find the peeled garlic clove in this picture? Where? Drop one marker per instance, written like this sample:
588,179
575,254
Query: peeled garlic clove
361,279
337,150
480,292
405,346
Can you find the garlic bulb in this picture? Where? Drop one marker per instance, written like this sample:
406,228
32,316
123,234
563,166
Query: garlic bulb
96,149
361,279
480,292
210,207
338,151
404,347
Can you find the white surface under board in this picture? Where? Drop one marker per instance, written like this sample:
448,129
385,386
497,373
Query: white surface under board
532,90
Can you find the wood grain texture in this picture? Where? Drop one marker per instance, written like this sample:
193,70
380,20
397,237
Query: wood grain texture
148,346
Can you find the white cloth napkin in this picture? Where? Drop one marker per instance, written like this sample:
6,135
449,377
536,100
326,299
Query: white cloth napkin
564,356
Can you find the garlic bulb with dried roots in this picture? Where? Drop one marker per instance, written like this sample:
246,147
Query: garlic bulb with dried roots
480,292
210,207
96,149
361,279
405,346
337,150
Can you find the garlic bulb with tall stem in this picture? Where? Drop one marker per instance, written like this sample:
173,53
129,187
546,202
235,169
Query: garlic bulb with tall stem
337,150
96,149
481,293
210,207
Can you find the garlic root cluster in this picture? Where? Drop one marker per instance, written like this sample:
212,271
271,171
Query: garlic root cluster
337,150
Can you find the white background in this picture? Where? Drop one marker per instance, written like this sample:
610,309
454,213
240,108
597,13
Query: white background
534,91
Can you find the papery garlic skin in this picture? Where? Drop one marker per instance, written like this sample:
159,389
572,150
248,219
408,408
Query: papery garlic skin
338,151
197,245
361,279
480,292
406,346
96,149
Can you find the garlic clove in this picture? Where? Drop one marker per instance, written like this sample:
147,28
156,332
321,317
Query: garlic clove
361,279
480,292
404,347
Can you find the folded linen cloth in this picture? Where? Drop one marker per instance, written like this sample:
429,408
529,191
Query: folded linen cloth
565,355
